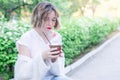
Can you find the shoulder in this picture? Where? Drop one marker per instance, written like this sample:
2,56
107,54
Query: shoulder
24,44
25,39
56,34
27,35
57,37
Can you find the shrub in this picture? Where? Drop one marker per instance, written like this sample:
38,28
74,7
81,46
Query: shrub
78,34
8,52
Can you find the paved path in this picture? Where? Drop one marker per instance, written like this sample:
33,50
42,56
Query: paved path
105,65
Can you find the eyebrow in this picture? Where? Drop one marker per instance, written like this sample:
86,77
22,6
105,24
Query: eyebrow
54,17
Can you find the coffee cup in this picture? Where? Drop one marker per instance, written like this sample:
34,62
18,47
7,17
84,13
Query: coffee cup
58,48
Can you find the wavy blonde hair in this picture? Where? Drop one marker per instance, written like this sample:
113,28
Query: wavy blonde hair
41,12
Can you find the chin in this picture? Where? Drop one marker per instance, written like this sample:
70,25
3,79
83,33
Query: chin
48,31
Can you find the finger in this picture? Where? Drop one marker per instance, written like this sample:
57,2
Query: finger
53,49
54,56
51,53
61,51
61,55
55,53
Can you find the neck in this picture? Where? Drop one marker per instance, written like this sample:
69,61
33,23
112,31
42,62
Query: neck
39,31
43,33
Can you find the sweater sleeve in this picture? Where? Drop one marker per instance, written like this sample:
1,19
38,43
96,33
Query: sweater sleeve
25,40
27,68
23,68
58,66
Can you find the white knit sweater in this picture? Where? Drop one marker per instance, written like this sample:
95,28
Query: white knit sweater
36,68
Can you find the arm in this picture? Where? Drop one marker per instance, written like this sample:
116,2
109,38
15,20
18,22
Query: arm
58,66
27,68
23,66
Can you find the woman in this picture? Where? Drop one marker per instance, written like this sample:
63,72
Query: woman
36,60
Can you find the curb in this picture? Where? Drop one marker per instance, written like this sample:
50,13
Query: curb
90,54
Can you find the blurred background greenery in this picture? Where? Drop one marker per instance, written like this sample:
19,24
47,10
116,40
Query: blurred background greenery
85,24
15,9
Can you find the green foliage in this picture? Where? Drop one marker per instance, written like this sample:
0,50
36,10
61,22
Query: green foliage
100,29
65,7
78,34
7,7
8,52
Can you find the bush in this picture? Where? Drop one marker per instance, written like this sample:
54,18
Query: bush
78,34
8,52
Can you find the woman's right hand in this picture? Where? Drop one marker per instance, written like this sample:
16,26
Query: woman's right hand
52,53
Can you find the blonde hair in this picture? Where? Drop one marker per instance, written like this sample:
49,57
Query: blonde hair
41,11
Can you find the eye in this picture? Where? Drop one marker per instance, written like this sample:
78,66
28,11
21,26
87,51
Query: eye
54,19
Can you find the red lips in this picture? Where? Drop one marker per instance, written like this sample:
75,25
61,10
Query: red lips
49,28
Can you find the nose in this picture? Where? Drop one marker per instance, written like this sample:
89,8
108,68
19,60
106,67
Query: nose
50,23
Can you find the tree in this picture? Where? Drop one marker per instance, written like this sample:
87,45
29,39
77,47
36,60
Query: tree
9,6
79,4
93,4
65,7
83,4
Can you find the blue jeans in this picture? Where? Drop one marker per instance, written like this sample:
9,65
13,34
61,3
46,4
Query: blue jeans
60,78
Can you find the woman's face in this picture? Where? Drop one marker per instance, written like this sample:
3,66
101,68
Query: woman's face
49,22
